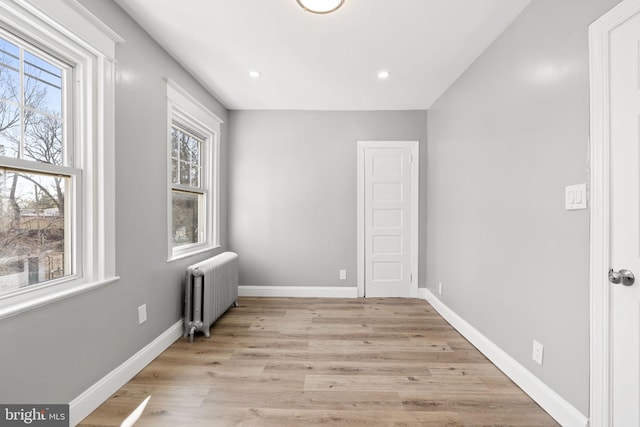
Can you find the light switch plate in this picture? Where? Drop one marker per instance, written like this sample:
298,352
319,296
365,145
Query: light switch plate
575,197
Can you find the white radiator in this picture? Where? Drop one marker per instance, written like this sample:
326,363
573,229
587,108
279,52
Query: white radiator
211,287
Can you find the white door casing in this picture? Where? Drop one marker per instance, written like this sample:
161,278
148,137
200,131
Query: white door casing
615,216
387,218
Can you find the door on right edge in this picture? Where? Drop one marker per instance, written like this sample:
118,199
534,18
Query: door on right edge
625,220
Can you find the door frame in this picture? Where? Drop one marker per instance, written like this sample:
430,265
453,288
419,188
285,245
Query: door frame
414,147
600,387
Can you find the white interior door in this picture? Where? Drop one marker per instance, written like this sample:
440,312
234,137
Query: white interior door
388,216
625,220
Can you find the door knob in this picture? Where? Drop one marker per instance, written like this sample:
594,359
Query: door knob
623,276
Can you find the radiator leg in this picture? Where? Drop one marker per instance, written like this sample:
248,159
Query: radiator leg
191,332
235,303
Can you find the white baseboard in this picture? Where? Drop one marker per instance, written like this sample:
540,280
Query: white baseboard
298,291
549,400
94,396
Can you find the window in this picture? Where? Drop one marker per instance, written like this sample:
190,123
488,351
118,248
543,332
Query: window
193,175
56,154
188,193
35,222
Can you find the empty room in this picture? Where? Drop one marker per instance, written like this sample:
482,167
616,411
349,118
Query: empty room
319,212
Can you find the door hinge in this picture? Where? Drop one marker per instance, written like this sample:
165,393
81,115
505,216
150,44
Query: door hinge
411,278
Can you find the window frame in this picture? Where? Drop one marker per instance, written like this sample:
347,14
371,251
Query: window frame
69,33
188,114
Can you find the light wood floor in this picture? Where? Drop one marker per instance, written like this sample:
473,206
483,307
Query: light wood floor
304,362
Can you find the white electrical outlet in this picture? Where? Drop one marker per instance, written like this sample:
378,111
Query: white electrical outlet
142,314
343,274
440,288
538,351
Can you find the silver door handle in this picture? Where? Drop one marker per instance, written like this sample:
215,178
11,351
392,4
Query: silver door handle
623,276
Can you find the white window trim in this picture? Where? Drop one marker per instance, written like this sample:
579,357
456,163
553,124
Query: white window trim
186,111
66,27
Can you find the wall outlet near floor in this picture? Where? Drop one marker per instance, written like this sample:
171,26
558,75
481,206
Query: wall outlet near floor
538,351
142,314
440,288
343,274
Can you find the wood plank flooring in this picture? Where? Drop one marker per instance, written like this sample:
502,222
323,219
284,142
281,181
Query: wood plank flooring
313,361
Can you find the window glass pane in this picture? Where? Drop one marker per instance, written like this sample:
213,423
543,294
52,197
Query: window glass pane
174,171
43,85
32,228
185,174
9,130
185,212
31,119
9,71
175,143
43,138
195,176
186,148
194,151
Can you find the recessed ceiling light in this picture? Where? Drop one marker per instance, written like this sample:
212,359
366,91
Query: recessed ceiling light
320,6
254,74
382,75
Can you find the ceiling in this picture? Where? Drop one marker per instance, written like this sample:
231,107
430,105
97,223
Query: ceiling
325,62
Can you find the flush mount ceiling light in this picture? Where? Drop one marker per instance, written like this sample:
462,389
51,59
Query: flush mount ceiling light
383,75
320,6
254,74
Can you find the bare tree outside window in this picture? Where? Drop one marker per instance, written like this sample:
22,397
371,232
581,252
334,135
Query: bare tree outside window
32,202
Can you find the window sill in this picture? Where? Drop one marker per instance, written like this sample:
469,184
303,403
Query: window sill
192,253
12,306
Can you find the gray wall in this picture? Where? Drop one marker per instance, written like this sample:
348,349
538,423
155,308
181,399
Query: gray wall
504,141
292,205
54,353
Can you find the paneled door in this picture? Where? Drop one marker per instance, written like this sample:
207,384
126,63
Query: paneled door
625,220
388,220
615,217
